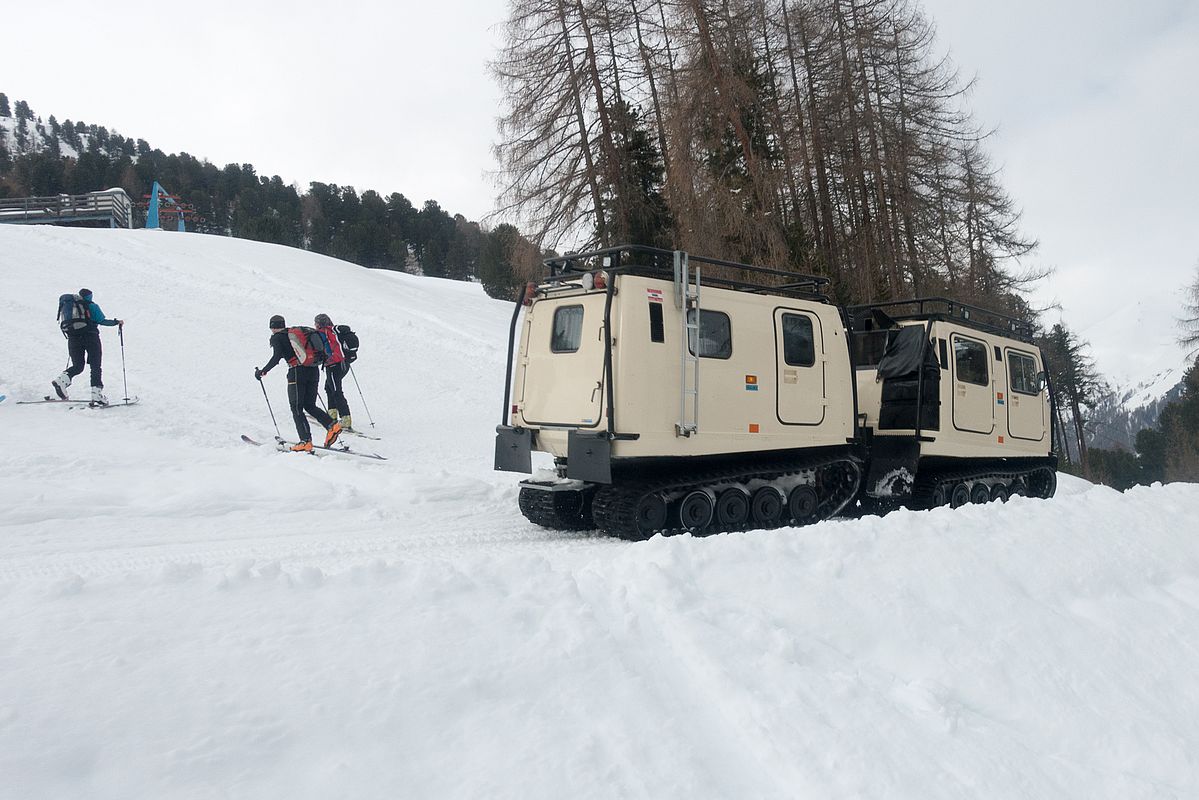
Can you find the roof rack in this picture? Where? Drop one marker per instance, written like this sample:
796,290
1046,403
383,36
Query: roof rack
943,308
657,262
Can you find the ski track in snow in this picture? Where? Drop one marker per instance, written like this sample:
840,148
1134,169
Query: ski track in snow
190,616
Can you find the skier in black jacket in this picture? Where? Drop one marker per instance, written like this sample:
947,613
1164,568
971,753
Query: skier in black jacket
83,344
303,383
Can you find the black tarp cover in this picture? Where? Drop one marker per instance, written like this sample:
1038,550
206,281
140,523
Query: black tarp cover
902,356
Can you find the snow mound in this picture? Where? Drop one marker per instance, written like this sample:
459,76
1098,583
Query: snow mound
189,616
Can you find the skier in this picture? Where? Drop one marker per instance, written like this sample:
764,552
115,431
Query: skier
303,376
79,318
335,372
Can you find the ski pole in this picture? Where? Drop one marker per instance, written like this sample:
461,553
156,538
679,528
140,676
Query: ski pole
268,407
125,380
360,397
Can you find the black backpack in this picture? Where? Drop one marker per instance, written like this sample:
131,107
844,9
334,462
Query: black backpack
349,343
74,314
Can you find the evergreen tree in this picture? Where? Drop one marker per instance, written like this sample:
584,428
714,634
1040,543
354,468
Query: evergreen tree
5,111
1076,383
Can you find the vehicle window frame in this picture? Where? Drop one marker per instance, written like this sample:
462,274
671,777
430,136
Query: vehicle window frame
728,324
811,340
1012,355
985,360
578,332
858,344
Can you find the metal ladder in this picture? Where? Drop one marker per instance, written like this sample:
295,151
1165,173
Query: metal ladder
686,298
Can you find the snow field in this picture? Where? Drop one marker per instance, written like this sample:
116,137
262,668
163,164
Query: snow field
187,616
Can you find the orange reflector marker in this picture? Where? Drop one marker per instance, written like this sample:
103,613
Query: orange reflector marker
515,408
753,427
751,378
1001,440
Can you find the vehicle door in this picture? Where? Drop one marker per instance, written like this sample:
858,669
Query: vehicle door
973,397
799,367
1025,400
564,362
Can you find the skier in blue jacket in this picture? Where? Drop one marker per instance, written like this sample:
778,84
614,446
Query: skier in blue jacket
80,327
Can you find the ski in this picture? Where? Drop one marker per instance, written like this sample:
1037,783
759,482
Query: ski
132,401
49,399
352,432
285,447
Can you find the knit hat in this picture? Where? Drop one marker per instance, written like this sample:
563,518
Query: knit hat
85,293
277,322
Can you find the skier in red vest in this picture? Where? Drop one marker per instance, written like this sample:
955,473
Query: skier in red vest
336,369
303,379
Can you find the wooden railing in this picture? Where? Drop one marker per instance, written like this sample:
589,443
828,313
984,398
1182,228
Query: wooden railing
112,206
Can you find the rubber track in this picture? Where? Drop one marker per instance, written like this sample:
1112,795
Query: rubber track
556,510
614,507
926,485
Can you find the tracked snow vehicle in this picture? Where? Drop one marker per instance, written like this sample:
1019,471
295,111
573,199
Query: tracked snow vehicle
954,405
673,400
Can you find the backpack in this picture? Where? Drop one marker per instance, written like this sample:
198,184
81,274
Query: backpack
310,346
349,342
73,313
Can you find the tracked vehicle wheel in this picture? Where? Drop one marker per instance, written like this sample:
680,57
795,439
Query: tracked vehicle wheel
651,515
766,507
557,510
959,495
732,508
1018,488
1043,483
999,492
940,495
695,512
980,494
803,504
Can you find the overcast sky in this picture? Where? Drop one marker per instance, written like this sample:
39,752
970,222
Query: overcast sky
1095,101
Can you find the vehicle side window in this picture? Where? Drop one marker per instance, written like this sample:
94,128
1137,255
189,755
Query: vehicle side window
715,334
970,358
868,347
568,329
1022,371
657,331
799,347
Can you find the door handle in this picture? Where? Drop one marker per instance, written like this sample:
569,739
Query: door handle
598,385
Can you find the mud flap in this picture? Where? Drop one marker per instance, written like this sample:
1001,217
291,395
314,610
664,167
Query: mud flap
589,456
893,461
513,449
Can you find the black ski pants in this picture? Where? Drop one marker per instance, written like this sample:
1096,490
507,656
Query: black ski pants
303,383
85,343
334,375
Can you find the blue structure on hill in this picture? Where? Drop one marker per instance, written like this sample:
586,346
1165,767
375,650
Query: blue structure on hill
152,214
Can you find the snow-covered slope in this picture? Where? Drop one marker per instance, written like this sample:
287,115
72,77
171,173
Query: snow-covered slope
188,616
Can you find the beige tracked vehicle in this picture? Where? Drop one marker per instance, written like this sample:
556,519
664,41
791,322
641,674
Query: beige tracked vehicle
674,400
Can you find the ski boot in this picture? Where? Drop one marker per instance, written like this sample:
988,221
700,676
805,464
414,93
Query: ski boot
332,435
347,424
60,385
302,447
98,398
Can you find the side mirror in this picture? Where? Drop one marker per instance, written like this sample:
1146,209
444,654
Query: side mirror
1042,381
